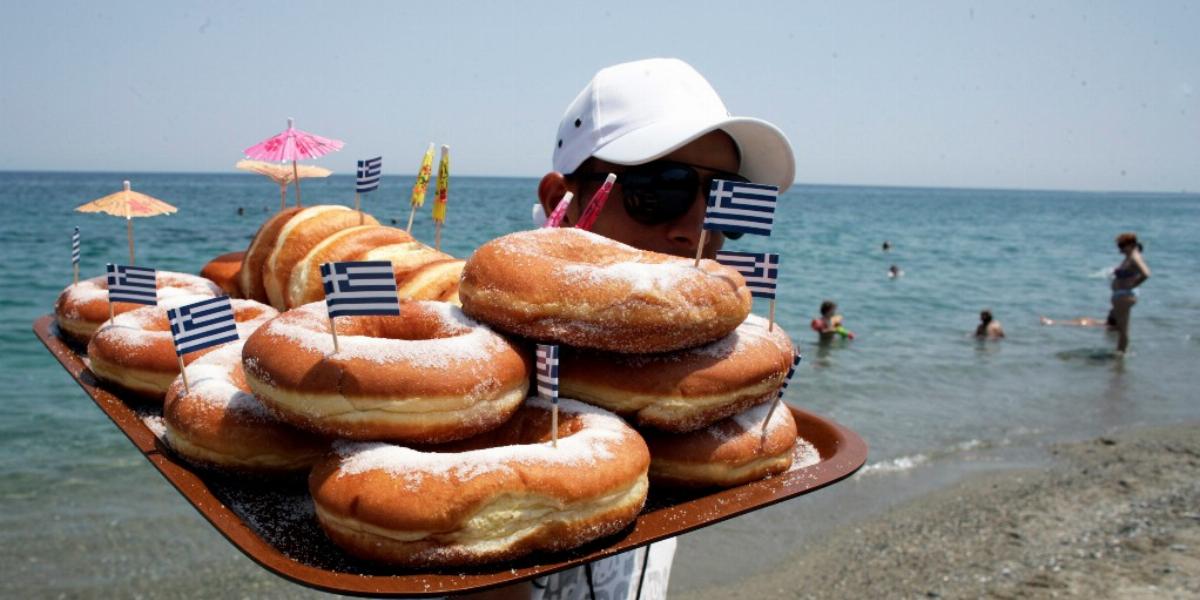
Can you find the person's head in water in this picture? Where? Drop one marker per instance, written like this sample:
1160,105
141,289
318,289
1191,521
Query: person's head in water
663,130
887,245
828,307
985,316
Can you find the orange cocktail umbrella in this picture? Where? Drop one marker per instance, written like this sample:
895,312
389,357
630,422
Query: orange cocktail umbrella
129,204
282,174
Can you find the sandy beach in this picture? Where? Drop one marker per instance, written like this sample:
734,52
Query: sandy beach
1113,517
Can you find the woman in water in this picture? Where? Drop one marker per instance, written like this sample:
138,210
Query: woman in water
830,323
1131,273
989,327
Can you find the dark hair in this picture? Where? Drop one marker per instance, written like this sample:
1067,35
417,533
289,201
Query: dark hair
1126,239
827,307
985,315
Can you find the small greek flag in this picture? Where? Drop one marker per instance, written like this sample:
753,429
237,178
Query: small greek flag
202,325
741,207
547,371
127,283
796,358
75,247
368,174
360,288
760,269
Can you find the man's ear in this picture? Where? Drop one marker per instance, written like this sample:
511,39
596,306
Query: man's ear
550,190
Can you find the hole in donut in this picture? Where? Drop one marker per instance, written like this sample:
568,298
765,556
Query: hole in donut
410,324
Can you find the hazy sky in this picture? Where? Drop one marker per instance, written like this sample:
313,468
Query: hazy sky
1073,95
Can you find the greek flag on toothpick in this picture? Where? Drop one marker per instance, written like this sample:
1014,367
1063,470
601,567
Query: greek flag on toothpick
547,371
741,207
360,288
760,269
202,325
368,174
127,283
796,358
75,247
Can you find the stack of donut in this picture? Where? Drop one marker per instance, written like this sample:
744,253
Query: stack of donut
281,266
654,338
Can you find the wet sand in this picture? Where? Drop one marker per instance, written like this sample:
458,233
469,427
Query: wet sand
1114,517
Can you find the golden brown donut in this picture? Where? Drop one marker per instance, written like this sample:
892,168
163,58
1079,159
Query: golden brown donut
134,352
250,276
296,238
577,288
428,375
224,270
687,389
83,306
496,497
434,281
220,424
304,284
729,452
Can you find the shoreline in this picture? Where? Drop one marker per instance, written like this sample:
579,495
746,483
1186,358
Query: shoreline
1114,516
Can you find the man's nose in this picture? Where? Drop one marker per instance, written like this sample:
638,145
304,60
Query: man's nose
684,232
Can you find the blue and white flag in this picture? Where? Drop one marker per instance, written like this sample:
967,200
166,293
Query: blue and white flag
75,247
127,283
202,325
741,207
796,358
360,288
547,371
368,174
760,270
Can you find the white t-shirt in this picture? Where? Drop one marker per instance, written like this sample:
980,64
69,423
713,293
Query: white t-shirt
614,578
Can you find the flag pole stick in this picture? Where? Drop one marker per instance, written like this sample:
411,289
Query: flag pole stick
75,268
774,405
771,325
187,388
437,238
358,207
700,247
333,330
411,214
554,423
111,315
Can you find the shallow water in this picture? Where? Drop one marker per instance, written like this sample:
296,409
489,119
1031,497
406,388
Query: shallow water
85,515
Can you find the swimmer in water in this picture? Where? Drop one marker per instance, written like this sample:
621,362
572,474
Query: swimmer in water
1128,275
894,272
989,328
887,246
830,323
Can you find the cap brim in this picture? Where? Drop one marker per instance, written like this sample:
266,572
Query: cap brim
766,153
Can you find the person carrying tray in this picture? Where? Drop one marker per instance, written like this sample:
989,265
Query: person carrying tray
663,130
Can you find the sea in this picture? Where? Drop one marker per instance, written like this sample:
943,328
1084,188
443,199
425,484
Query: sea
83,514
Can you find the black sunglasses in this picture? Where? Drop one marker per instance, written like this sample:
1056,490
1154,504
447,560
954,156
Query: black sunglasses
661,191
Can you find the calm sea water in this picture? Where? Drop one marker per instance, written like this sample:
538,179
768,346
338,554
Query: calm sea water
83,514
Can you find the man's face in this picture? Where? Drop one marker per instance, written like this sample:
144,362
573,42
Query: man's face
710,155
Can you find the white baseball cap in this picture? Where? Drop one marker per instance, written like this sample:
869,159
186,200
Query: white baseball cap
636,112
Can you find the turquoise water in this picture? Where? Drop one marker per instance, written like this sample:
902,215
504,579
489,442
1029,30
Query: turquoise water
83,514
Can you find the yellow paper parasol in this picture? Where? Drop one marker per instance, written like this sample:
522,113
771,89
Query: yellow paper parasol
129,204
282,174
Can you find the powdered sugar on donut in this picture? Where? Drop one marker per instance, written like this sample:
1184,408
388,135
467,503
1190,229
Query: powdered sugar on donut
308,327
211,381
601,434
753,330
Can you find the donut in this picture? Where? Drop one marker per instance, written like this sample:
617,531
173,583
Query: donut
574,287
296,238
219,423
434,281
428,375
495,497
729,452
250,276
224,270
304,283
83,306
684,390
134,352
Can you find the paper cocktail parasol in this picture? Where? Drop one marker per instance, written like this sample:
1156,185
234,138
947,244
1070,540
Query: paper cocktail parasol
293,144
282,174
128,203
421,185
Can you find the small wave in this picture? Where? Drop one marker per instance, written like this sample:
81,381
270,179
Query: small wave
903,463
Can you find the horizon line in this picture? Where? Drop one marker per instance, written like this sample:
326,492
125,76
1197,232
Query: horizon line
1182,192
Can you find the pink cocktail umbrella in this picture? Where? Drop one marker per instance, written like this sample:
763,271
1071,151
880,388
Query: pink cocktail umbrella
293,144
